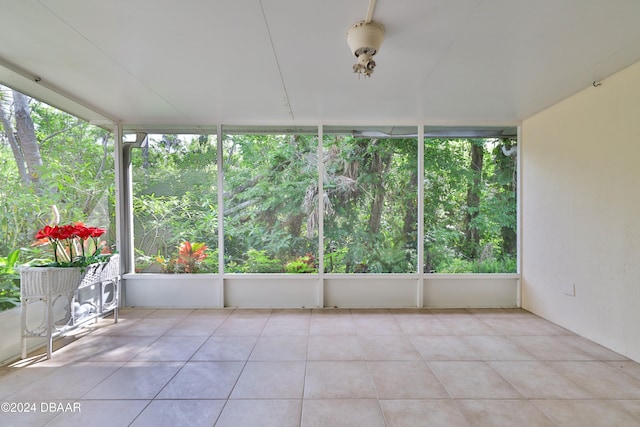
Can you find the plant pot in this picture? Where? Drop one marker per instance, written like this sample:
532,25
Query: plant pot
48,282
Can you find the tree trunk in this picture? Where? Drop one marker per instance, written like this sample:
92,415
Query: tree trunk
145,155
411,214
379,167
294,224
508,164
471,246
15,146
26,136
376,210
94,195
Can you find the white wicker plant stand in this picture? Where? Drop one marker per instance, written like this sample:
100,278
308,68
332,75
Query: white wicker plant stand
65,298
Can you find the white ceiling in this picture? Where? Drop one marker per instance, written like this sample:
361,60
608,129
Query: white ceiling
198,63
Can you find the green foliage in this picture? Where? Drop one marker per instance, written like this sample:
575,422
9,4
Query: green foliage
303,264
9,281
76,176
371,204
210,263
458,265
447,181
175,198
334,259
271,198
390,259
257,262
198,259
504,265
370,221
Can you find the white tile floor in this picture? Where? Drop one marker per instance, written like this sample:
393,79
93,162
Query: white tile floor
330,367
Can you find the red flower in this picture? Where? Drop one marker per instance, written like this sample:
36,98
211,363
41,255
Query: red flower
65,232
96,231
70,241
46,233
81,231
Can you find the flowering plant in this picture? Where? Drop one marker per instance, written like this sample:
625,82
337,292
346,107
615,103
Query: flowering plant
189,260
73,245
191,255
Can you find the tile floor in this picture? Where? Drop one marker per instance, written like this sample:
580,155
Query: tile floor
242,368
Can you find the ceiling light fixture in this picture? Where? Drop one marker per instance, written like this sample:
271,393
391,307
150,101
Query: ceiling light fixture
364,39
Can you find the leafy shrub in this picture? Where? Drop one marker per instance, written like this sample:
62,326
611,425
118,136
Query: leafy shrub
491,265
334,261
505,265
392,259
455,265
303,264
9,281
210,263
191,258
260,262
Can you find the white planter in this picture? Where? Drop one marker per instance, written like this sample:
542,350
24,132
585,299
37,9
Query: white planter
46,294
39,287
49,295
172,290
272,290
48,281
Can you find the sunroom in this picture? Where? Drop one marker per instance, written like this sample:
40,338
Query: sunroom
484,162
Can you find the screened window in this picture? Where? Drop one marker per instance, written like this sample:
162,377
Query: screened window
55,169
470,205
371,214
175,204
370,205
271,200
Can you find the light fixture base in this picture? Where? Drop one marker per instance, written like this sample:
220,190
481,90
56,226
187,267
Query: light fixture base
364,40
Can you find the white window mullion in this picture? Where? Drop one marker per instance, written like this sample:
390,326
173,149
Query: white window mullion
320,217
519,216
220,192
420,239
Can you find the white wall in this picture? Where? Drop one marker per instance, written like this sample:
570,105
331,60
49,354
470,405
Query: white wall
581,213
11,331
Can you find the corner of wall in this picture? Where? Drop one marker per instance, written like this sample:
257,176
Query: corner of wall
580,228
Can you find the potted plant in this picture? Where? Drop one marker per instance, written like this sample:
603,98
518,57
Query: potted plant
80,259
78,255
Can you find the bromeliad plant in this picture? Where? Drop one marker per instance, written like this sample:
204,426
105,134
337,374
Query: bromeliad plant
73,245
191,255
189,260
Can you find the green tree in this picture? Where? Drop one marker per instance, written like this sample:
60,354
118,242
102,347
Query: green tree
469,206
175,197
471,243
54,167
371,204
270,198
